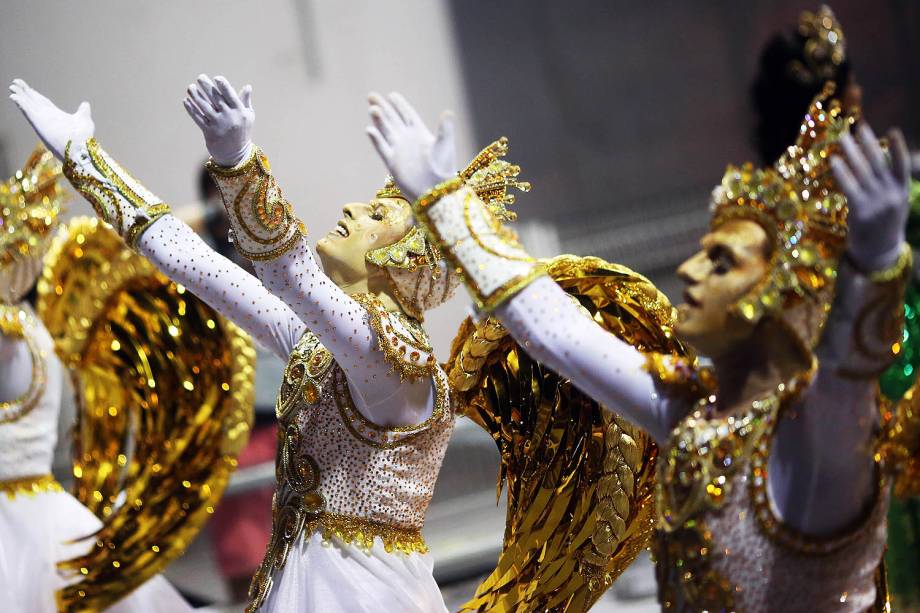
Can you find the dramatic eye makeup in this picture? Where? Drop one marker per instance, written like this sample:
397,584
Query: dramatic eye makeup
721,257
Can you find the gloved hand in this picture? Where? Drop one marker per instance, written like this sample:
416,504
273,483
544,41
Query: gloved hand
417,159
225,118
877,197
53,126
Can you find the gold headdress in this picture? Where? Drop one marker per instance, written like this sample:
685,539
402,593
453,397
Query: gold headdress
30,203
799,205
824,48
418,275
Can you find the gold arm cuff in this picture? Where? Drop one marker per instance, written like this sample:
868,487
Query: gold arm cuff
134,233
240,169
30,486
507,291
437,192
898,269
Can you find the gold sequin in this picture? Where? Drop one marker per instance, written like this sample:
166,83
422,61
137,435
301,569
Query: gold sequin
30,486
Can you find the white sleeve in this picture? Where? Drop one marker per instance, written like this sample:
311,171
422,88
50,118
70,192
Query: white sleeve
543,319
822,470
265,230
179,253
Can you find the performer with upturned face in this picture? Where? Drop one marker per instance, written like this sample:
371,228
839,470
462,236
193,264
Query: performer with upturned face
771,493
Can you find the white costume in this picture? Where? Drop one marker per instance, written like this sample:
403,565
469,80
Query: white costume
39,521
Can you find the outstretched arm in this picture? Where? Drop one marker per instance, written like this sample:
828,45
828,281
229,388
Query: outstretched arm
824,472
503,278
265,229
144,221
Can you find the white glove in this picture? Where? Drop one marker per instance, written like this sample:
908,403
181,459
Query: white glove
54,127
225,118
417,159
877,197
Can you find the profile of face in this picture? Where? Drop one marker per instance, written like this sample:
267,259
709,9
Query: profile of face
364,227
732,259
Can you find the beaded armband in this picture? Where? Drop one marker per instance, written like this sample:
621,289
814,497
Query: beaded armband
117,198
879,318
493,264
263,224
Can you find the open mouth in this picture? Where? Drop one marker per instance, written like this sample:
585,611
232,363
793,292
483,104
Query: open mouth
690,301
340,229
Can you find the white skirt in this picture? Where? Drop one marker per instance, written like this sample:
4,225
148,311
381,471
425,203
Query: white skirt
35,534
338,577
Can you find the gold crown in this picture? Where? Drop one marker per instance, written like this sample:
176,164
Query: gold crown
488,175
824,49
389,189
801,208
30,203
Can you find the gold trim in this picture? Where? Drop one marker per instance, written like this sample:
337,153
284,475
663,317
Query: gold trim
360,531
445,188
94,191
368,432
388,336
898,269
30,486
277,252
13,410
233,171
266,203
504,235
136,231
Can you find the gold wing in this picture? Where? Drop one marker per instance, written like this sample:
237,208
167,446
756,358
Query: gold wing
579,480
165,392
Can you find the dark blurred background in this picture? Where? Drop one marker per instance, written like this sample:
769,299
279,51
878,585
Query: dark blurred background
622,114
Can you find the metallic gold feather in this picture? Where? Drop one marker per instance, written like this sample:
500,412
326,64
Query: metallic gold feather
579,479
165,391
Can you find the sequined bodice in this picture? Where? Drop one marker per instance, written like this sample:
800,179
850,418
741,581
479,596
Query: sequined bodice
29,423
342,475
721,545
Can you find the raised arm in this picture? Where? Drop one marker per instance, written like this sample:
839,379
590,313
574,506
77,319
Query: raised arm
504,279
145,223
265,229
826,475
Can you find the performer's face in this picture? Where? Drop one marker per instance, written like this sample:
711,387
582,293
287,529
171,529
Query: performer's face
733,258
365,226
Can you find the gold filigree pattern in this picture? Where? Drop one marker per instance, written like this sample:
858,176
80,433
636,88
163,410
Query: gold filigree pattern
304,376
140,208
706,455
30,486
300,506
263,221
403,341
799,205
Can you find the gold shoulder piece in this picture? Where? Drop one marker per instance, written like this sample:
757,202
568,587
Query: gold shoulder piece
899,444
579,478
165,389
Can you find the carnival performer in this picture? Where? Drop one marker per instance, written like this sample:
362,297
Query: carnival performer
364,408
794,67
769,493
40,523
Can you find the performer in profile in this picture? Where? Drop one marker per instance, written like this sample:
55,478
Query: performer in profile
793,68
770,492
364,408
